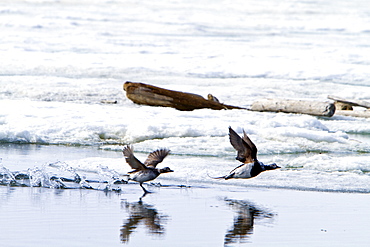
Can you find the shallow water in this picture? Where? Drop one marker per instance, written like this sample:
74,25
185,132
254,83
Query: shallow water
57,68
44,217
184,211
221,216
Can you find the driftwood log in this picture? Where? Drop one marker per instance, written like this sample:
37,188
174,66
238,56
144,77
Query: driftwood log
345,107
145,94
350,102
295,106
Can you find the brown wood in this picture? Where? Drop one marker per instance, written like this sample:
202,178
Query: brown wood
315,108
343,106
351,102
146,94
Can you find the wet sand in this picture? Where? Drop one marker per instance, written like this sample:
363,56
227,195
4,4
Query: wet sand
173,216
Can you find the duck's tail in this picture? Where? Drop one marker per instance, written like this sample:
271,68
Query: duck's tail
223,177
226,177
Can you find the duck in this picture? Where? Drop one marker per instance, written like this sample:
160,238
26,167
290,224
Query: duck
247,154
146,171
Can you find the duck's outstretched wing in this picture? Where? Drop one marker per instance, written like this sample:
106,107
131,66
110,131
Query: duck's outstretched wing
128,152
156,157
244,150
251,145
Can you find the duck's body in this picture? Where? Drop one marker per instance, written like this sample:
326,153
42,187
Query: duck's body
243,171
249,170
247,154
145,175
147,171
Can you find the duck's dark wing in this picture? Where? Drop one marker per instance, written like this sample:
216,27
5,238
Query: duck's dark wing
128,152
244,150
156,157
251,145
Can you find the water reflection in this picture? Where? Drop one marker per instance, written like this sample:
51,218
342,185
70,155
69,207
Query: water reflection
245,215
142,213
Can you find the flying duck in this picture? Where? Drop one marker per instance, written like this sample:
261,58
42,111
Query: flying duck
247,154
147,171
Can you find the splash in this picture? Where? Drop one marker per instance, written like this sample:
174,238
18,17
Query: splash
60,175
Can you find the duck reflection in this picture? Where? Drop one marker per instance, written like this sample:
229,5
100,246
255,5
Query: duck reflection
142,213
245,215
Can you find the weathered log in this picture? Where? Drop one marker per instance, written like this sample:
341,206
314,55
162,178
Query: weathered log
145,94
365,114
295,106
351,102
342,106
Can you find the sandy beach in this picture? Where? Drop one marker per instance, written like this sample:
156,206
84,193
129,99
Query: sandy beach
209,215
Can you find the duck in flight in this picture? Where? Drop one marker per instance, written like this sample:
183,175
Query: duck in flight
247,154
147,171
